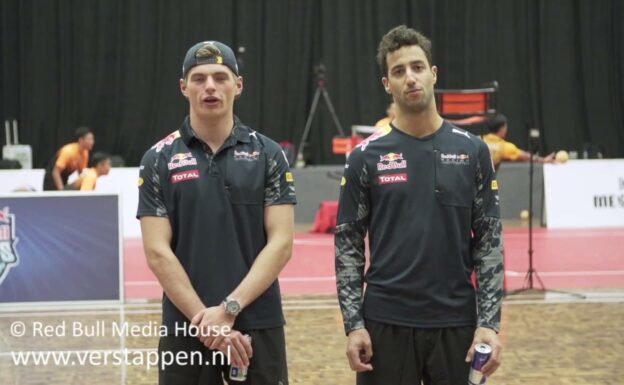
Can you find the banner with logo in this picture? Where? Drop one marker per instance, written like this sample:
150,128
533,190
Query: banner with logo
585,193
60,247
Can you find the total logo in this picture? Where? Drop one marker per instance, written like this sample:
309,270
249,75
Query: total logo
181,160
8,254
184,176
392,178
457,159
391,161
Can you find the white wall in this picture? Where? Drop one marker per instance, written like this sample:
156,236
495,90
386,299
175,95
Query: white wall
122,180
580,193
585,193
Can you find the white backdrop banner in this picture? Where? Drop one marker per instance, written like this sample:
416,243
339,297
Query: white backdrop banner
585,193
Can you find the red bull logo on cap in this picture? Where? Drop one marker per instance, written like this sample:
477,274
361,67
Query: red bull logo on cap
391,161
8,254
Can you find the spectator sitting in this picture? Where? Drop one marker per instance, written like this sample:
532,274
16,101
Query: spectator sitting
86,181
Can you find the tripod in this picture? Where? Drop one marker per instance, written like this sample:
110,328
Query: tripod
531,273
319,71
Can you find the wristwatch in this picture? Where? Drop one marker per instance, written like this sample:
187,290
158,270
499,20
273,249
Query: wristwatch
232,307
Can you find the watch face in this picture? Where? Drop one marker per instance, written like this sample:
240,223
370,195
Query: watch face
232,307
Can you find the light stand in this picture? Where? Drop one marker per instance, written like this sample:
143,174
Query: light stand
319,72
534,136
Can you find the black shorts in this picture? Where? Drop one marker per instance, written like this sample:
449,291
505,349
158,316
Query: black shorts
406,356
267,365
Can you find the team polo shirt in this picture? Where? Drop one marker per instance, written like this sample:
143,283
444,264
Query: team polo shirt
415,197
215,203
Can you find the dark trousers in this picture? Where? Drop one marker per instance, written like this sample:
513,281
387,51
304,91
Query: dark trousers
267,365
409,356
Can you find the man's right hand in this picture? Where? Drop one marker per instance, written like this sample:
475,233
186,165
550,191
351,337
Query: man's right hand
238,347
360,350
550,158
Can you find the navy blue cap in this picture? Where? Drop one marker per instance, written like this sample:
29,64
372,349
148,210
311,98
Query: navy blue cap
209,52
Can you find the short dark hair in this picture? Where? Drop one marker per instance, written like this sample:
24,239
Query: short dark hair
98,158
81,132
398,37
496,122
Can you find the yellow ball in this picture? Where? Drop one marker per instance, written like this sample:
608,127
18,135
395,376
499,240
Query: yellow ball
561,156
524,214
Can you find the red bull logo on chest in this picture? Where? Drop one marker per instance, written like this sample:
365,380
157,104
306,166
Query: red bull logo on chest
456,159
247,156
181,160
391,161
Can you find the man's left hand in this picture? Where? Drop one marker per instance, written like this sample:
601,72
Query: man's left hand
487,336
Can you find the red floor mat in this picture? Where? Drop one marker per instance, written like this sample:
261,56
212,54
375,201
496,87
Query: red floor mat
563,259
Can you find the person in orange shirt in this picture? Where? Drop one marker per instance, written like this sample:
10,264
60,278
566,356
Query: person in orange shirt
501,150
70,158
101,163
385,122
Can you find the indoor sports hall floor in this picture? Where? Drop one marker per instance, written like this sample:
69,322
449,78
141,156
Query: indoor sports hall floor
550,338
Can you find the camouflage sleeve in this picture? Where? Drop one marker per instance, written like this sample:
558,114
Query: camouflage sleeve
351,229
487,249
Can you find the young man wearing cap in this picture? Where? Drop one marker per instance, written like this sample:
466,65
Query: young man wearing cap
216,209
425,192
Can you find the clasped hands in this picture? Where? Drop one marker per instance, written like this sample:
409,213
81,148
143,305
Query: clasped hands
215,332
